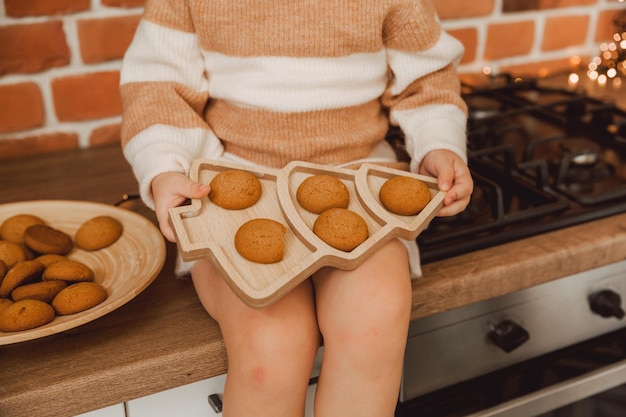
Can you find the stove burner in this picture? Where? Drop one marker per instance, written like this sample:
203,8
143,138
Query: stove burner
542,159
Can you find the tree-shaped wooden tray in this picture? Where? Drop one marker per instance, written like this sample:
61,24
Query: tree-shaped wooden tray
205,229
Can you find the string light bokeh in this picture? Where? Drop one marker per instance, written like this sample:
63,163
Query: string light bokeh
610,64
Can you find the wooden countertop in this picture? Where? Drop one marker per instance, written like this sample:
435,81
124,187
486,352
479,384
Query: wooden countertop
163,338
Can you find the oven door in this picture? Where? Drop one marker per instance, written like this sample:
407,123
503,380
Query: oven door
522,354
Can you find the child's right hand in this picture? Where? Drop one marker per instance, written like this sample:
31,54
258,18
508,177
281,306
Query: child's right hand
171,189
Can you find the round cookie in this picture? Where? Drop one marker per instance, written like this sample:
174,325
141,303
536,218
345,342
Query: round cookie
12,229
405,196
261,241
68,270
50,258
21,273
98,233
12,253
79,297
25,315
235,189
320,192
3,269
43,291
340,228
4,303
41,238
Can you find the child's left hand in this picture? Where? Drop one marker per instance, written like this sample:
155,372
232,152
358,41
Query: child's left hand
453,176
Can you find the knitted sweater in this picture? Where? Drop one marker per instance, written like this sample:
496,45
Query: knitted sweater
272,81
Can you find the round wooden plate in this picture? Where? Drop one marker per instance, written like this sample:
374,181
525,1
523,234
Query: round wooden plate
125,268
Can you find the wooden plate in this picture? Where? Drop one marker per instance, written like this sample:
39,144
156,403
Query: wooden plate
125,268
204,229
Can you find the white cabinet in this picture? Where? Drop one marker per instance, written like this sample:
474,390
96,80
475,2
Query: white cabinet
116,410
191,400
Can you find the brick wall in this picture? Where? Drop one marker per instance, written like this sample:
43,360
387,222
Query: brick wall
60,59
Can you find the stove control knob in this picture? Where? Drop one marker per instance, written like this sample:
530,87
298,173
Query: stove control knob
508,335
606,303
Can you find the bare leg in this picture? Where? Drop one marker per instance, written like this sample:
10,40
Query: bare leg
363,316
270,351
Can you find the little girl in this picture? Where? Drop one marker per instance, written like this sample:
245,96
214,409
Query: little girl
265,82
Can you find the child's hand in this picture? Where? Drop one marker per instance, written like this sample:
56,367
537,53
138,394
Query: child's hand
171,189
453,176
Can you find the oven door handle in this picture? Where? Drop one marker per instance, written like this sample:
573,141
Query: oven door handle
560,394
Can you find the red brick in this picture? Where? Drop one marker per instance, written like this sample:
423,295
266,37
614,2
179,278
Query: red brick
22,107
89,96
558,33
509,39
32,47
455,9
106,39
106,135
21,8
123,3
545,68
37,145
524,5
469,39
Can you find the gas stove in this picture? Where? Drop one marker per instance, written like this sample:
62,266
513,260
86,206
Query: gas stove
542,158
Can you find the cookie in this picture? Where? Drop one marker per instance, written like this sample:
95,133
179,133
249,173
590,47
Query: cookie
25,315
340,228
43,291
3,269
42,239
98,233
4,303
261,241
50,258
235,189
79,297
68,270
12,253
12,229
21,273
320,192
404,195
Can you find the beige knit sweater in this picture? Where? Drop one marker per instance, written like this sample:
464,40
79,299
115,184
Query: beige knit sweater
271,81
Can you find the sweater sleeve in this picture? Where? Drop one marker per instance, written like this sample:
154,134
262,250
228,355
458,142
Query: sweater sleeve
423,95
164,92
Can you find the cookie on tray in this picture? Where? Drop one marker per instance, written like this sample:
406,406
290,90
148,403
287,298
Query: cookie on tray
12,253
340,228
69,270
235,189
21,273
320,192
261,241
405,196
43,291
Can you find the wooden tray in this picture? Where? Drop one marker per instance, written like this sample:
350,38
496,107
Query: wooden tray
205,229
125,268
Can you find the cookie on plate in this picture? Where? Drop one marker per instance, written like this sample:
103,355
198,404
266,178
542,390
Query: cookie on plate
12,253
21,273
13,228
405,196
340,228
68,270
41,238
25,315
320,192
261,241
98,233
79,297
235,189
43,291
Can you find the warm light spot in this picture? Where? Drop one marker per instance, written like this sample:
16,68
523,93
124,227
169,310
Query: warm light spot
602,80
573,79
487,70
611,72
